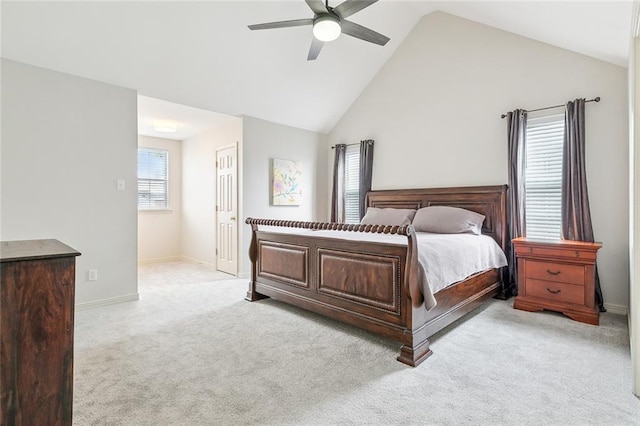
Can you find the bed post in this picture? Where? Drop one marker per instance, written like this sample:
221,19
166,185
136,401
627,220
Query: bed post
415,342
412,269
252,295
506,288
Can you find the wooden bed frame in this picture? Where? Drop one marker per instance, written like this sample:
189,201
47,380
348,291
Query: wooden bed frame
372,285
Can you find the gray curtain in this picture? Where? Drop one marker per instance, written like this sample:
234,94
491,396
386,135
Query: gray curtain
337,195
576,215
517,125
366,169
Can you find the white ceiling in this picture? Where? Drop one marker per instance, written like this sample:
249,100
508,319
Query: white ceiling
190,121
203,55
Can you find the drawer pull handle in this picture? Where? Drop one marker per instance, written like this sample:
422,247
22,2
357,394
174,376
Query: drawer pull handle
553,272
553,291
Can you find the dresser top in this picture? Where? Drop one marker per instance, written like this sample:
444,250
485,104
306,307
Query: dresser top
34,249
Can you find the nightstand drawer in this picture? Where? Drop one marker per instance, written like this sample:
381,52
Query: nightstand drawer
555,291
557,272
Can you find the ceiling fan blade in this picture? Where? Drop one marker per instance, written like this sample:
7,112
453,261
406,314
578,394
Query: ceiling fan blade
349,7
363,33
282,24
317,6
314,50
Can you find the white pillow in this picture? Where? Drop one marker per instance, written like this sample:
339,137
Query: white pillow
447,220
388,216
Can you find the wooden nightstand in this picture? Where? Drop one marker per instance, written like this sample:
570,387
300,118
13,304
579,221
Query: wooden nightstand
558,276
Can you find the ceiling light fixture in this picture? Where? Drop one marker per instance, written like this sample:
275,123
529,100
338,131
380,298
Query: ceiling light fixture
165,126
326,28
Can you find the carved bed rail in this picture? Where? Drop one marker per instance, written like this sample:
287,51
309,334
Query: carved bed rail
332,226
411,278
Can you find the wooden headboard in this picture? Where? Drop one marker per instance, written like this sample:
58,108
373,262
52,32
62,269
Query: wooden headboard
490,201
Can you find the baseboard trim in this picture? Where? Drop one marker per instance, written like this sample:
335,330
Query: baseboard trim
197,261
245,275
616,309
105,302
159,260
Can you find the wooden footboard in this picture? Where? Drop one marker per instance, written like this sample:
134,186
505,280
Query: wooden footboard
372,285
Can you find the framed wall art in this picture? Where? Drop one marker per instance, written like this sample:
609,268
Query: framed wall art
287,178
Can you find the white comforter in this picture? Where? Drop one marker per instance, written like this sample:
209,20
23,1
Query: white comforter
449,258
444,258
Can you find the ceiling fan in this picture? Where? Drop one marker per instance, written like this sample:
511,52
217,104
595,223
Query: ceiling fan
329,22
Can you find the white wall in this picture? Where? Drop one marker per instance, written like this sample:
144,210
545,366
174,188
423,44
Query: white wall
199,189
634,195
434,112
160,232
65,142
262,142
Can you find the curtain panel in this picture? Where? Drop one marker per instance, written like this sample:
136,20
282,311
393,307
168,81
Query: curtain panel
366,173
576,214
516,138
337,194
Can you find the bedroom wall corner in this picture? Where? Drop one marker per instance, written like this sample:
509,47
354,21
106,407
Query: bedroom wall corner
262,142
66,140
199,189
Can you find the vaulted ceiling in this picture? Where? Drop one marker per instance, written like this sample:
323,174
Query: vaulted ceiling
203,55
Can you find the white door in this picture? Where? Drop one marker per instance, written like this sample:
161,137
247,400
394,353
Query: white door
227,210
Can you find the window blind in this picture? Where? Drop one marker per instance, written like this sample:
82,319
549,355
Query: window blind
352,184
543,176
153,167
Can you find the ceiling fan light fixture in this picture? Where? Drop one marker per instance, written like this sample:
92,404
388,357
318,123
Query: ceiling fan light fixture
326,28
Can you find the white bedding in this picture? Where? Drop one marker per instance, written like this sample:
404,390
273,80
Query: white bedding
444,258
449,258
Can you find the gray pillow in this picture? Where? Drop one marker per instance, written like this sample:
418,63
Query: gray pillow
378,216
447,220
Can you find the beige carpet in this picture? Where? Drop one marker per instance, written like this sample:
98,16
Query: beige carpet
191,351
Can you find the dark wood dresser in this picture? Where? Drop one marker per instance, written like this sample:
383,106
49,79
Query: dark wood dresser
37,295
558,276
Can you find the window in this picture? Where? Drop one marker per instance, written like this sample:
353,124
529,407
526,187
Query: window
153,187
352,184
543,176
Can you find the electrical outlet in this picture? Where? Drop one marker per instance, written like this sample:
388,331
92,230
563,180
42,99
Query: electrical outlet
120,184
93,275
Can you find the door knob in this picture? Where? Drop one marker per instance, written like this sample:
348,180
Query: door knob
233,218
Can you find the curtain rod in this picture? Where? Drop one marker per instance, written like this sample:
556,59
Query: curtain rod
349,144
596,99
356,143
